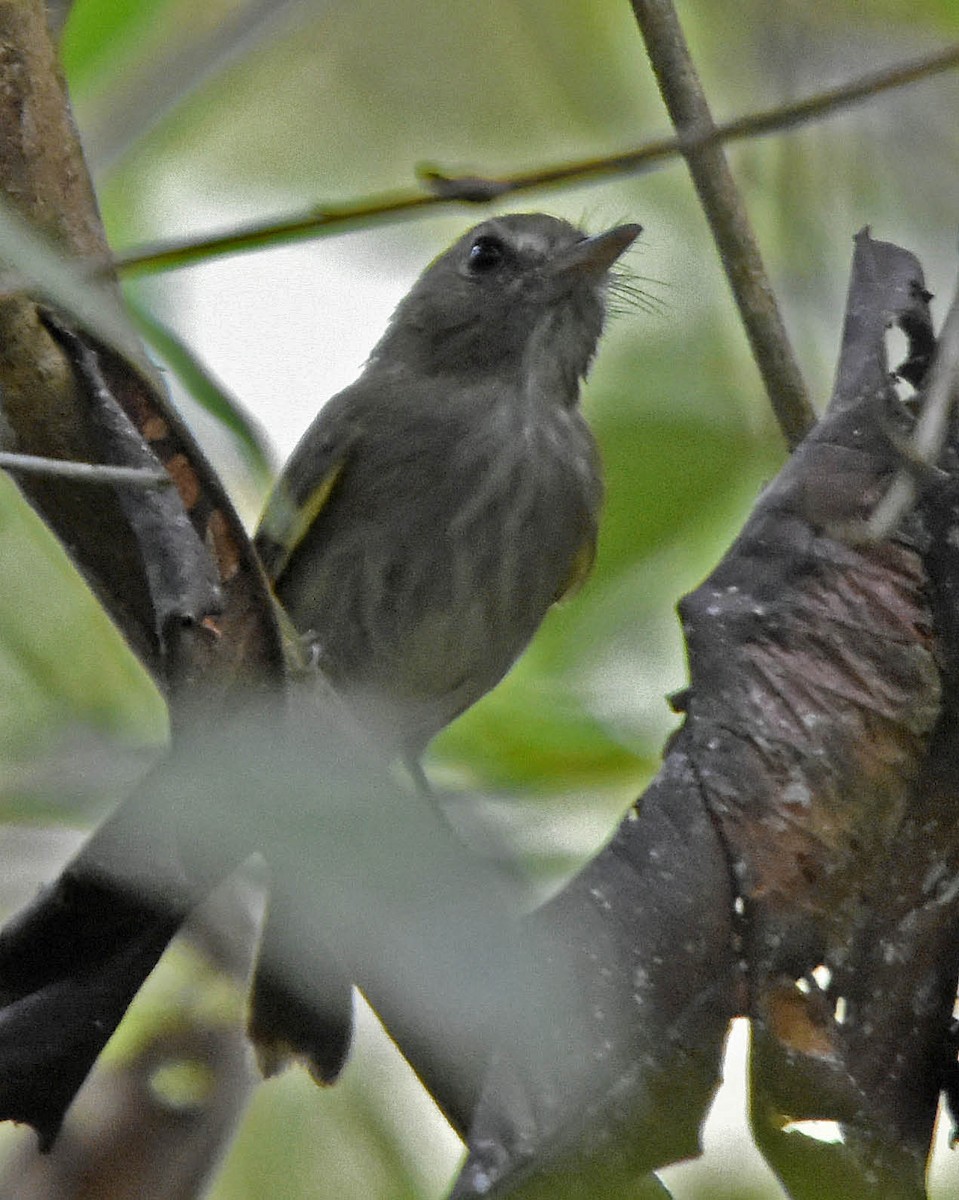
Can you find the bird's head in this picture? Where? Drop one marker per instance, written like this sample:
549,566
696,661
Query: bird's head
512,289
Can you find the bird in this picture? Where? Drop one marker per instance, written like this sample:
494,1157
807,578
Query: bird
427,521
437,508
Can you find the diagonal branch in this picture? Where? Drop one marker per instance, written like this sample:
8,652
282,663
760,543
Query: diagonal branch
728,220
479,189
175,76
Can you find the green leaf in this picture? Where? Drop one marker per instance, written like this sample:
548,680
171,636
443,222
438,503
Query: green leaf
538,737
101,35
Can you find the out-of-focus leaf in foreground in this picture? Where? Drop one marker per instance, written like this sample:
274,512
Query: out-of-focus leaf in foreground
62,662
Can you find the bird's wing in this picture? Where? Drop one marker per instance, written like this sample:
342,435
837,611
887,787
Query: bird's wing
585,555
306,484
579,571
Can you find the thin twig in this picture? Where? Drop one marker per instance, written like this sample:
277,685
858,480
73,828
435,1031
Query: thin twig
728,220
478,189
81,472
929,435
165,83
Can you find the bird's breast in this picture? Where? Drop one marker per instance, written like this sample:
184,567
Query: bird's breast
437,561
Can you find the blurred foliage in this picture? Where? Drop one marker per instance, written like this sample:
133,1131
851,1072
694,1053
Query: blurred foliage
61,659
323,100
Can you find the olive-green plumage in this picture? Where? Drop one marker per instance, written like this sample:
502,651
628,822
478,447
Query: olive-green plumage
437,507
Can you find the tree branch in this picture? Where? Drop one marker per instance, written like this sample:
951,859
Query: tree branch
443,189
81,472
165,83
728,220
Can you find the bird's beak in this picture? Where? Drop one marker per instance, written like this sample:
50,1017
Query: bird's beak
594,256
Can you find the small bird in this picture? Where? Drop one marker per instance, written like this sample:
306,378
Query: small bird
426,522
437,507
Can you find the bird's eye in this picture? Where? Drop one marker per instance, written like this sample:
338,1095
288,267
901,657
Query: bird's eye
485,253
